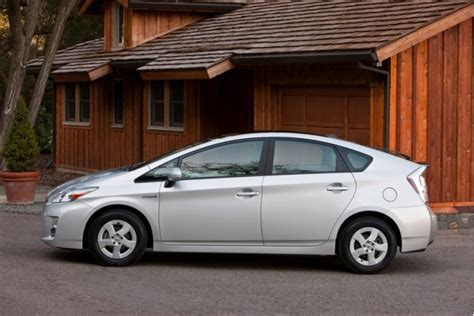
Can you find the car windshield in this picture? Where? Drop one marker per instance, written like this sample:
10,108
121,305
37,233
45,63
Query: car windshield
143,163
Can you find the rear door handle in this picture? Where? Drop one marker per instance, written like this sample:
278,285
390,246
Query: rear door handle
337,187
247,193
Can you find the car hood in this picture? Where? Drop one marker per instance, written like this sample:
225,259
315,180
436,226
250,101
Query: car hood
87,180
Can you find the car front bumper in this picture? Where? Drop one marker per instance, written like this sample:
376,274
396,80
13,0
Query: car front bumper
63,224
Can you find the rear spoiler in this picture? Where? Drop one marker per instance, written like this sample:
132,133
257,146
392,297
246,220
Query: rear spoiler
392,152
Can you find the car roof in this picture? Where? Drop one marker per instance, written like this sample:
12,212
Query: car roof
285,134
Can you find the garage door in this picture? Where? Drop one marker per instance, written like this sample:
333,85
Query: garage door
342,112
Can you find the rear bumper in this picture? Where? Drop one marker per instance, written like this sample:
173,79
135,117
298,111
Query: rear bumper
418,226
434,226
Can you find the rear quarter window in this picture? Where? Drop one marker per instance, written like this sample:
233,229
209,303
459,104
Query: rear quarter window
355,160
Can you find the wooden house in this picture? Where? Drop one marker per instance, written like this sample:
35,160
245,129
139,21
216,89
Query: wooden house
169,73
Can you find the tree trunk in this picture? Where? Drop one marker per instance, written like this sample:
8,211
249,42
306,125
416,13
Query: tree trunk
65,9
22,34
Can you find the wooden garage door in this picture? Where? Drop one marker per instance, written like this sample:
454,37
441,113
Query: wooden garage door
344,112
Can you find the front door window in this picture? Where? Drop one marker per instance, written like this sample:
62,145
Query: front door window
233,160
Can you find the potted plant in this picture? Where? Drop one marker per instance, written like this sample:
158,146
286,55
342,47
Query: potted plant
20,154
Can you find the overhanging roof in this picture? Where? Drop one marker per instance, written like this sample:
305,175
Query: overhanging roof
276,32
95,7
199,65
188,5
83,71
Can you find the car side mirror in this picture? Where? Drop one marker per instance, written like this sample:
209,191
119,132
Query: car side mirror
174,176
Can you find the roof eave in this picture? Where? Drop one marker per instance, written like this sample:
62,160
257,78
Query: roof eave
424,32
316,57
184,6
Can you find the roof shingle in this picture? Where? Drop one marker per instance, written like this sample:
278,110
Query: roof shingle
275,27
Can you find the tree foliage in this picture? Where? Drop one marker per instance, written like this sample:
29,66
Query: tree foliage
21,150
78,29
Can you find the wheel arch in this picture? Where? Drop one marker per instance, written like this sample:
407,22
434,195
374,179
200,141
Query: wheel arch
374,214
118,207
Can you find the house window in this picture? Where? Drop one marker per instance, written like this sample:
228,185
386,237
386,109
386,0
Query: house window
118,103
167,104
118,25
77,103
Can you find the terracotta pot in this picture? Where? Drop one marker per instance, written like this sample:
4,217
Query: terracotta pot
20,187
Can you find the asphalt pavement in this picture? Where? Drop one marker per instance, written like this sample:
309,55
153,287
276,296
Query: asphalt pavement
37,279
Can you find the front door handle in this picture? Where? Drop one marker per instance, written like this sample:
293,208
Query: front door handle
245,193
337,187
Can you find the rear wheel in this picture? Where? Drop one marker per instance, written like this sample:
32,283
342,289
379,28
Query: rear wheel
367,245
117,238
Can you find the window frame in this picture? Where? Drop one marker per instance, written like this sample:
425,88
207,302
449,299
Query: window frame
261,164
260,170
114,123
116,26
166,107
344,152
271,155
77,105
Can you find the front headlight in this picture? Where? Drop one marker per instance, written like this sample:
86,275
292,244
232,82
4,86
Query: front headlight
72,194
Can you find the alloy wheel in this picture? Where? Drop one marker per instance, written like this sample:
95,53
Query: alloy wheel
117,239
368,246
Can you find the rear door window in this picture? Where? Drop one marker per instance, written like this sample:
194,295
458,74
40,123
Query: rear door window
303,157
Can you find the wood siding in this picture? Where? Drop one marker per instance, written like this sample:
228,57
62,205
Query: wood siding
99,145
215,107
143,25
431,109
212,107
227,104
157,142
271,81
340,111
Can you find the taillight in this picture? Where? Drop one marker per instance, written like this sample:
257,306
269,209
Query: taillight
418,182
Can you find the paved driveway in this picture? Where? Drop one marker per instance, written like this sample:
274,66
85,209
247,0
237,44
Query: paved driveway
37,279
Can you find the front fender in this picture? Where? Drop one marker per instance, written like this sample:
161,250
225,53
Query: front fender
148,207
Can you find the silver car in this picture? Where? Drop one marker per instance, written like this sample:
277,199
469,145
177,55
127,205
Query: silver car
270,193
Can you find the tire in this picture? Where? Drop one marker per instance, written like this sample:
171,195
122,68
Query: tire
367,245
117,238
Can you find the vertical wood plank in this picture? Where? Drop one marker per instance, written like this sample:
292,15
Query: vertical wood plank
464,112
259,101
421,102
96,128
377,102
129,28
449,147
472,117
406,102
392,143
435,112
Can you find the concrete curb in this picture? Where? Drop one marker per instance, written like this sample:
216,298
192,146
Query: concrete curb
39,198
456,221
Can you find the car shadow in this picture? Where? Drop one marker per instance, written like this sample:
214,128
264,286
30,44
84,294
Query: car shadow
243,261
71,256
213,260
402,263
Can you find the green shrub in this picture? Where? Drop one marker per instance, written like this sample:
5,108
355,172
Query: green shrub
21,150
44,130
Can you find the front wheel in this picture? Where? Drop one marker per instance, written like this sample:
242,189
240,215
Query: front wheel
117,238
367,245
